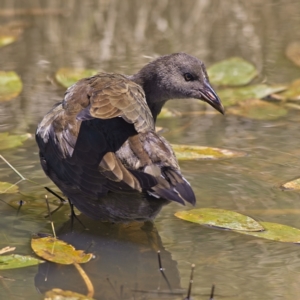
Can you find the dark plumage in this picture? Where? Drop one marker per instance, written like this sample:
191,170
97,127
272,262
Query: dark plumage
99,145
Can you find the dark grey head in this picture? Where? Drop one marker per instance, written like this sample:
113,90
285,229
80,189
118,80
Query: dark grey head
176,76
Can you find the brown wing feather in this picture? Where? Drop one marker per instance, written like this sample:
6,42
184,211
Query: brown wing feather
107,96
113,95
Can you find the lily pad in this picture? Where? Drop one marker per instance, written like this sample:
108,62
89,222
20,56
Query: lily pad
8,188
292,185
187,152
220,218
232,96
7,39
277,232
292,93
15,261
11,141
167,113
258,109
68,76
58,251
58,294
293,52
11,31
10,85
234,71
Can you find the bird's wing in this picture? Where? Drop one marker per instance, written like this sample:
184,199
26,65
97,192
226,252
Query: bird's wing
85,131
106,96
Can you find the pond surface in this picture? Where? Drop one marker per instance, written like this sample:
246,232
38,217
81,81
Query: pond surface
121,36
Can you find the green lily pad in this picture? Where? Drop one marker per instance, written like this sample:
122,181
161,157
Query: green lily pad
293,52
6,40
292,93
15,261
187,152
232,96
68,76
292,185
277,232
11,141
10,85
58,294
58,251
8,188
234,71
258,109
220,218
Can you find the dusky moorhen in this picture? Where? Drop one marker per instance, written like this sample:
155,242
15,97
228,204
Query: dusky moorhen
99,145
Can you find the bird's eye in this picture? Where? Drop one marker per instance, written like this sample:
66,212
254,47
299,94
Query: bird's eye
188,77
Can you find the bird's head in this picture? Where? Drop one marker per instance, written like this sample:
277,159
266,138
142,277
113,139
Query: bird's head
177,76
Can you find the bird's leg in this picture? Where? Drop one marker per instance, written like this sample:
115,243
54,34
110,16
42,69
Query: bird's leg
73,215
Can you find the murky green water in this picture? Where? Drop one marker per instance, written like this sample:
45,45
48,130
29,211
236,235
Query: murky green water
118,36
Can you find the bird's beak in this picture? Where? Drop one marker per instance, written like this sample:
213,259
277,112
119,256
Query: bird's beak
209,95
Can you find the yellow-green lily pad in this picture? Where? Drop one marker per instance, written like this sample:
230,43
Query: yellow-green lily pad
68,76
55,250
231,96
277,232
8,188
292,185
292,92
220,218
234,71
293,52
258,109
16,261
11,141
58,294
10,85
6,40
167,113
189,152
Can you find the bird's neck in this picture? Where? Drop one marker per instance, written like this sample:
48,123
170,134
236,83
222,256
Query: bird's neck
155,97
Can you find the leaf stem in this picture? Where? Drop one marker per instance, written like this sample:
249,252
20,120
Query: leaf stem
23,178
86,280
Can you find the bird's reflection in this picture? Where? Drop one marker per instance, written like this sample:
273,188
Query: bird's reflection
125,265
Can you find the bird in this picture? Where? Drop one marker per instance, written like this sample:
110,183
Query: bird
100,147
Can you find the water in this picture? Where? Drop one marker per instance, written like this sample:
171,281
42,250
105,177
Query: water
118,36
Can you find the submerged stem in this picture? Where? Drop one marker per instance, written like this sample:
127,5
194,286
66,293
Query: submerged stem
86,280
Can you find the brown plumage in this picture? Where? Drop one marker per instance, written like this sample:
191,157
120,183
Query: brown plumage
99,145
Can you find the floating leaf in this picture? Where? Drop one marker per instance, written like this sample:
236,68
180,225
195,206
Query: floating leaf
7,39
7,249
167,113
258,109
11,31
58,251
232,96
234,71
293,106
292,92
8,188
277,232
15,261
293,52
220,218
58,294
68,76
292,185
187,152
11,141
10,85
